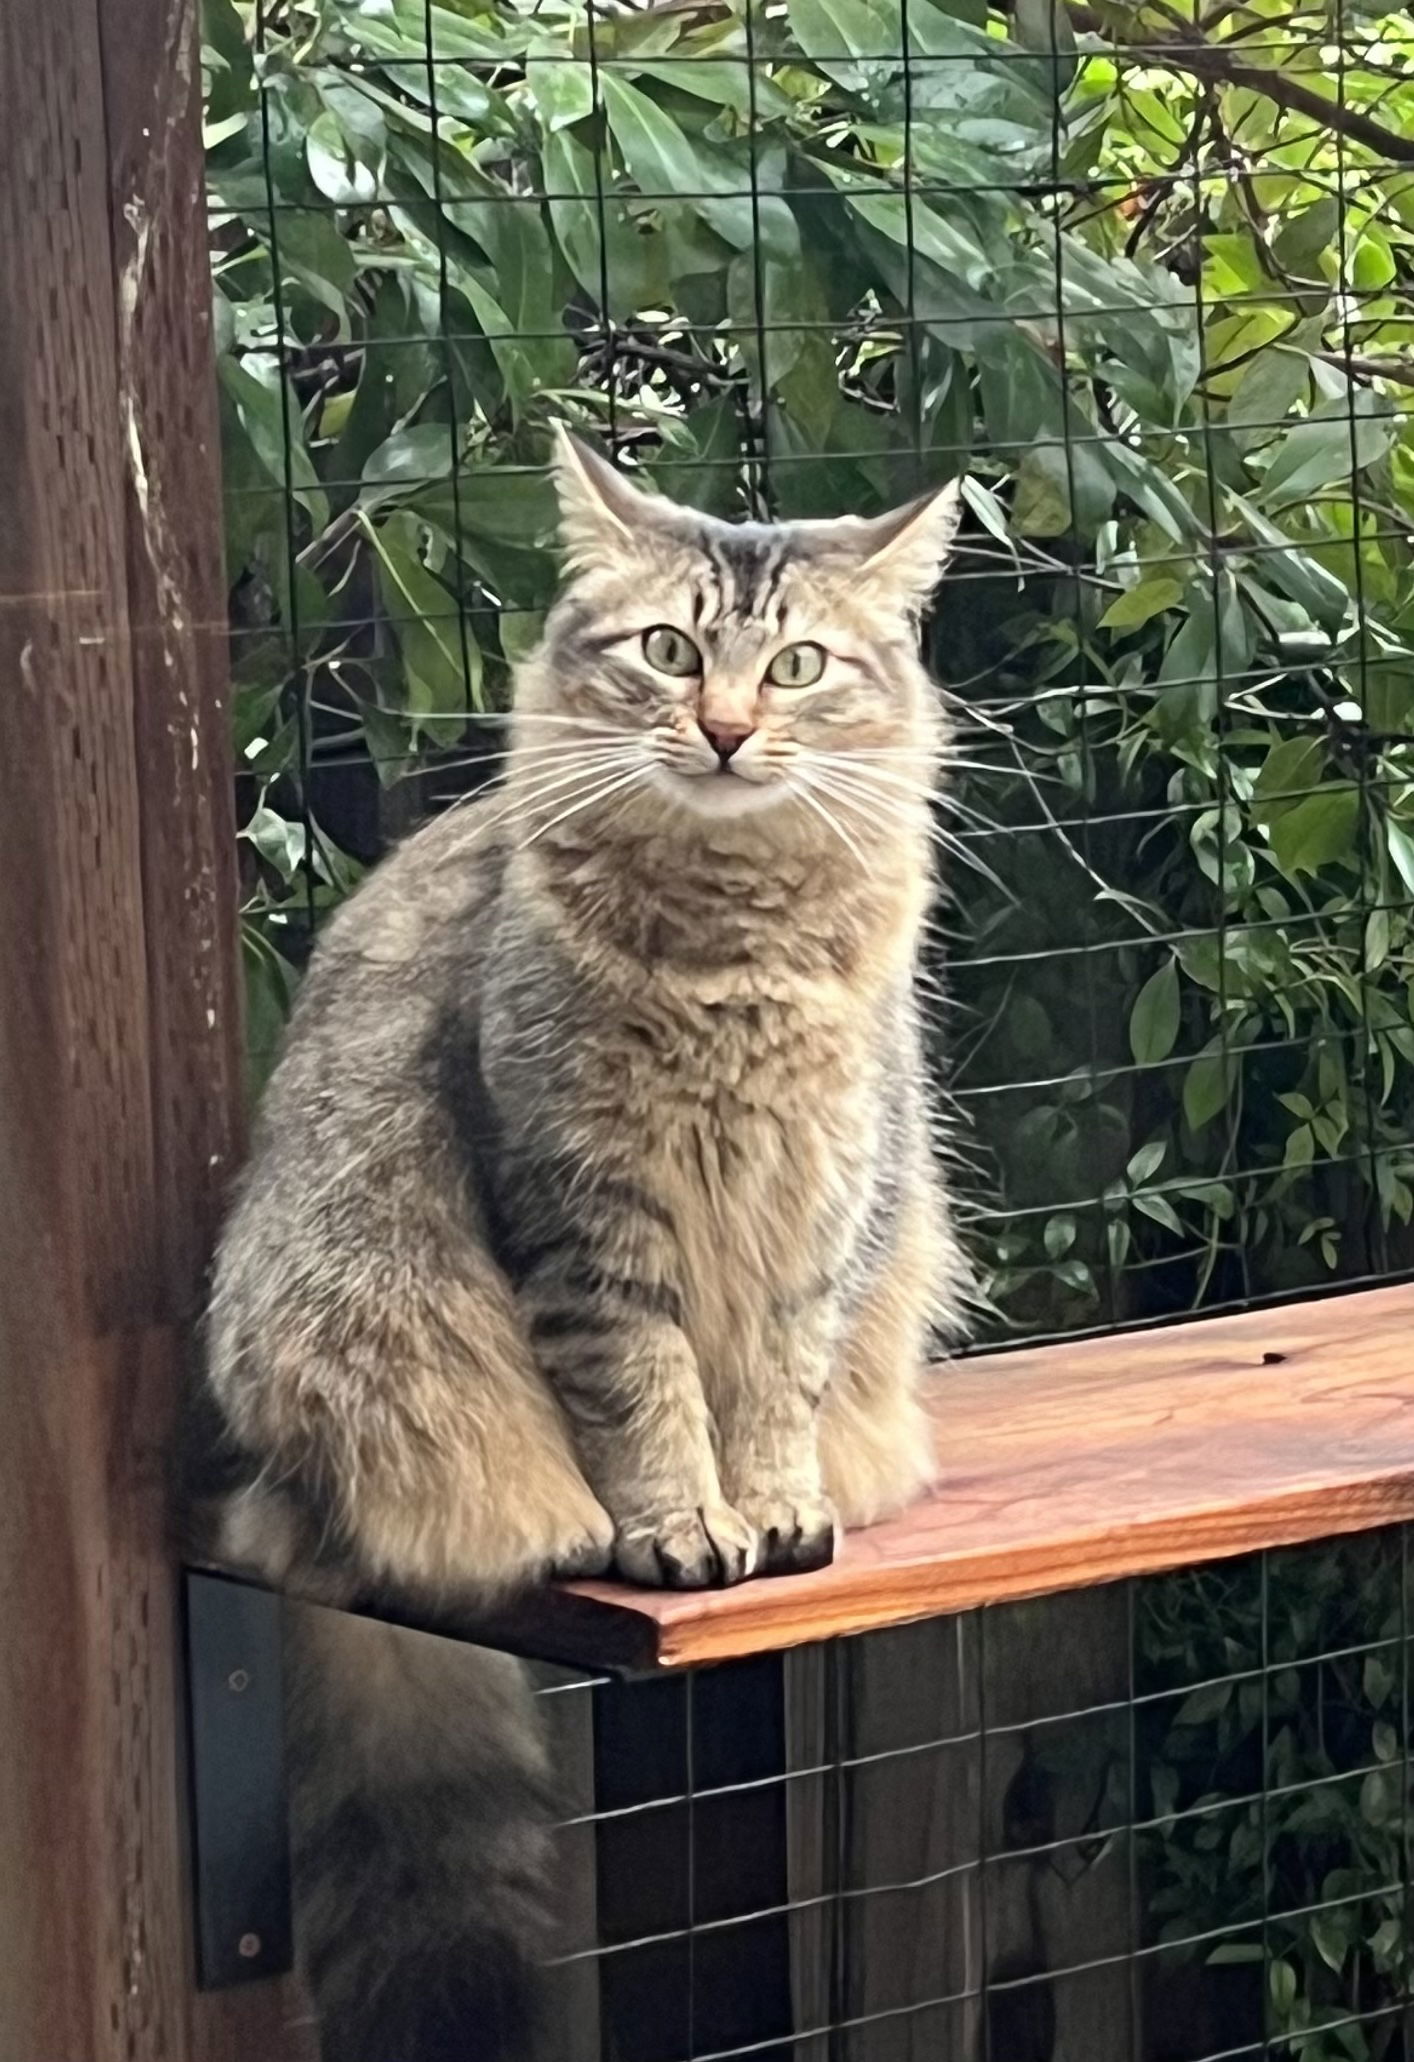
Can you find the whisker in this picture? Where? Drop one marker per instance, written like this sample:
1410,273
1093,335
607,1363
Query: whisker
803,789
605,789
860,797
545,783
845,762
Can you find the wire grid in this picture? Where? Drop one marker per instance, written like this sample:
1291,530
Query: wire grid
1170,970
1164,1821
1159,1823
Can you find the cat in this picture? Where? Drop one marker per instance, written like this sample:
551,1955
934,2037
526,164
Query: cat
592,1219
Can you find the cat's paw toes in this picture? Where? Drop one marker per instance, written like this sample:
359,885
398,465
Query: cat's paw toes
796,1533
707,1548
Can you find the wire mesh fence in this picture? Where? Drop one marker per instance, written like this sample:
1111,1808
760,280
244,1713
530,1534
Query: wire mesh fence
1159,1822
1142,273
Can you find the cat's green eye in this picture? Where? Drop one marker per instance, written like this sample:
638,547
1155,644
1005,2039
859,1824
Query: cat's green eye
799,665
668,651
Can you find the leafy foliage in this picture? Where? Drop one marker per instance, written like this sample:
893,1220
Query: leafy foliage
1157,313
1277,1806
1143,272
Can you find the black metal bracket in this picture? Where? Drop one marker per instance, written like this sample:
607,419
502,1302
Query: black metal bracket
236,1747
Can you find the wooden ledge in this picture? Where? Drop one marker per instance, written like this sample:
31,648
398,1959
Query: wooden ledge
1070,1465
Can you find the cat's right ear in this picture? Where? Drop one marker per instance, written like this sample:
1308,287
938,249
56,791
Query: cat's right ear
600,513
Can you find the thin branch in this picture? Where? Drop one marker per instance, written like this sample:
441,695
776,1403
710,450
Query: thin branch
1400,370
1216,66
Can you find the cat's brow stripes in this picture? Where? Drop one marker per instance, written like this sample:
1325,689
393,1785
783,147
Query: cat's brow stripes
741,577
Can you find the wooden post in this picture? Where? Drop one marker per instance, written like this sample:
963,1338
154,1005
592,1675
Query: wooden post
119,1110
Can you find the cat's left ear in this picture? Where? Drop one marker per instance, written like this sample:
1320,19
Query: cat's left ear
904,552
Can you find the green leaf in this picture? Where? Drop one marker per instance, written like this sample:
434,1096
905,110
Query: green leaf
664,160
1204,1704
1147,1161
1301,238
413,454
1207,1085
1300,1147
1059,1235
1289,772
1376,939
1321,448
440,660
332,166
1401,851
1153,1021
1150,596
1041,506
561,87
1160,1209
254,387
1231,1952
1076,1275
1268,389
315,256
1319,830
1281,1982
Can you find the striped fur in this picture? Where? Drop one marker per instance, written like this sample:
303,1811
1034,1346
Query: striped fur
592,1215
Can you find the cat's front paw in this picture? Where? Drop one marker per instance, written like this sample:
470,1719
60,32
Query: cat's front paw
709,1547
585,1545
797,1533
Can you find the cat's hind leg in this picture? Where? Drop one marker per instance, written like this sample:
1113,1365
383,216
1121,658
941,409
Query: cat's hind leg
876,1435
410,1424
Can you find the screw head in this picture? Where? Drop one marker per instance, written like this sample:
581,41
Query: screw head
238,1680
248,1946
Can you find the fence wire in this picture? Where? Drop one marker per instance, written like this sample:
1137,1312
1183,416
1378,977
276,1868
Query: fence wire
1160,1822
1143,274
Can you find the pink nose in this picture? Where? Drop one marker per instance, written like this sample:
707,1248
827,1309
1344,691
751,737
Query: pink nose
724,738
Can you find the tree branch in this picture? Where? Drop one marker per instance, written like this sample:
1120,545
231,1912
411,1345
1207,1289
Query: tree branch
1214,64
1399,370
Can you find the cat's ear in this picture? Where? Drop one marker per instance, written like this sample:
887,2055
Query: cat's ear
904,551
600,512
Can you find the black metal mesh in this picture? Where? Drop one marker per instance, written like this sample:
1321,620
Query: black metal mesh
1162,1821
1142,272
807,256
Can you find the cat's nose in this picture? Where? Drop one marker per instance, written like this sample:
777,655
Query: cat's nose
725,738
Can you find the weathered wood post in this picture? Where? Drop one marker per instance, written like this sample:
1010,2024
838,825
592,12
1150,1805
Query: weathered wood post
119,1098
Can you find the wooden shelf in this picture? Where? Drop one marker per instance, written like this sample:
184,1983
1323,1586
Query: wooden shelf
1071,1465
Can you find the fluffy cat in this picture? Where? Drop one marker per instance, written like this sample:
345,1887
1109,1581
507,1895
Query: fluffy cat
592,1217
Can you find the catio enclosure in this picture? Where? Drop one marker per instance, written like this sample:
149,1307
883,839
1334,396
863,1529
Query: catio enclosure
1104,1756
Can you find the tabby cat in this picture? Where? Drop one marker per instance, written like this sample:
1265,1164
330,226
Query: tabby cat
592,1218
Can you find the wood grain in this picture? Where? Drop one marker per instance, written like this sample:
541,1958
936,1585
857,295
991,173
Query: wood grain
1072,1465
118,1107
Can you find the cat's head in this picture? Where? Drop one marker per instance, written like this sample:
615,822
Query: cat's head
736,666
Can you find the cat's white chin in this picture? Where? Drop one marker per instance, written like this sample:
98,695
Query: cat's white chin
721,795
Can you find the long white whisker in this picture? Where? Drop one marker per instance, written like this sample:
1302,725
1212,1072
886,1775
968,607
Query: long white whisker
562,748
844,762
545,783
860,798
596,794
549,780
804,789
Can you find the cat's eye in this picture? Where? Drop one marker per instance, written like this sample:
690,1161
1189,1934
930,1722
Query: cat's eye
799,665
668,651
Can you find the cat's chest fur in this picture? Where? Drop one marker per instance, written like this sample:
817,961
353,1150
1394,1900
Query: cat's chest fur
750,1113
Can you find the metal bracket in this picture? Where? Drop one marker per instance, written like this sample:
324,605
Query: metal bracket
240,1829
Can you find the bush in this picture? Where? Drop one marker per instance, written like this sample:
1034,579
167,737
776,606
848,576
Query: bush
1156,313
1143,272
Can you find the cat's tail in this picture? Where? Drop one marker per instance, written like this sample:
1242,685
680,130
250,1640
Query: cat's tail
420,1808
